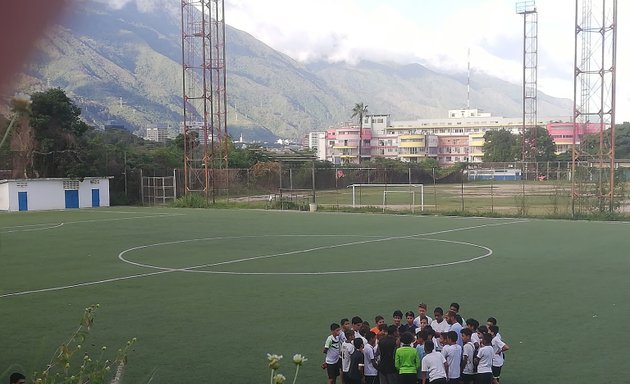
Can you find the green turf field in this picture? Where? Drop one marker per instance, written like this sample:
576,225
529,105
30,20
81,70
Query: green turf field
208,293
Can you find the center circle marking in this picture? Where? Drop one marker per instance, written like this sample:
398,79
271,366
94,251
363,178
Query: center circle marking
373,239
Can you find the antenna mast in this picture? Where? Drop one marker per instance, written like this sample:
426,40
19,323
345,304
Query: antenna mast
468,84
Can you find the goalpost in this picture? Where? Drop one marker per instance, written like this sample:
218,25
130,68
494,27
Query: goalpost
156,190
410,189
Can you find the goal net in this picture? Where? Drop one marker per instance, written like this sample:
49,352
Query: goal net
392,196
157,190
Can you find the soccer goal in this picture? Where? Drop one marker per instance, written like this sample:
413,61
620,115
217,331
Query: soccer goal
399,195
157,190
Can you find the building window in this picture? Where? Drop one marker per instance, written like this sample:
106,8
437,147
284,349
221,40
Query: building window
71,184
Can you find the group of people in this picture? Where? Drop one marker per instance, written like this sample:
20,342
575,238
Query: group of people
415,349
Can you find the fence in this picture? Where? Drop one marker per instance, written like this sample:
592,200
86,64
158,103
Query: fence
544,188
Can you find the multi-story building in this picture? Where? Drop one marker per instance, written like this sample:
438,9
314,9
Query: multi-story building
342,144
562,134
382,143
157,133
314,141
453,139
453,149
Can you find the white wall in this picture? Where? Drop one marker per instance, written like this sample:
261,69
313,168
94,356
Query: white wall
4,197
44,194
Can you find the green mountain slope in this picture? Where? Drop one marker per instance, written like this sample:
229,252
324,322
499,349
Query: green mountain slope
124,65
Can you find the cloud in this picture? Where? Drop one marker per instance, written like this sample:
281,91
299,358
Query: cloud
141,5
436,34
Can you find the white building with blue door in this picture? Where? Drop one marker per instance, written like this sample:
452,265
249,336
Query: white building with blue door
43,194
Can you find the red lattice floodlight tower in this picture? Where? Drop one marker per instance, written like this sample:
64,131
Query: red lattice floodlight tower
594,100
204,93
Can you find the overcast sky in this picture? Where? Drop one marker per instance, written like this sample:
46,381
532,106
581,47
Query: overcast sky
436,33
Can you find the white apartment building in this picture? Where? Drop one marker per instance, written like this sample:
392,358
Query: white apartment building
316,140
157,133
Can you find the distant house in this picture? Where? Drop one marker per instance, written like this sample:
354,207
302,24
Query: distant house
44,194
112,124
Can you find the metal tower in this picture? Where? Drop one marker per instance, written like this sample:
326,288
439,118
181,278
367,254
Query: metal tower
593,169
218,83
530,79
203,83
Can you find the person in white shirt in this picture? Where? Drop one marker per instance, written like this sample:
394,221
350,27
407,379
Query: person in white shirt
493,321
453,325
331,350
452,352
468,354
498,346
433,365
473,324
422,311
455,307
484,356
357,322
369,358
481,330
347,347
439,325
345,326
424,322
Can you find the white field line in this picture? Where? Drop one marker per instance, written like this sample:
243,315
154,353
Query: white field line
325,247
191,269
84,284
27,225
53,226
57,225
488,253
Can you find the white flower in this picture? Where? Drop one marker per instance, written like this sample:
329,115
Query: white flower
271,357
299,359
274,361
279,379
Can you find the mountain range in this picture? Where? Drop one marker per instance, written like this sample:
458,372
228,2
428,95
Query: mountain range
125,65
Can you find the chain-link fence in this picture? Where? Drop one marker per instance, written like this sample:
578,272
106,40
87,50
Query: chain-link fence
528,189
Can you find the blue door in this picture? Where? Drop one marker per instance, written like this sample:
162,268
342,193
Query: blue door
72,198
96,198
22,201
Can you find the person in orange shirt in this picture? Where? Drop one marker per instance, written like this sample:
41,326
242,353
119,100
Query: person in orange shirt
378,320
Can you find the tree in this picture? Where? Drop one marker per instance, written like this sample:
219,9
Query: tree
499,146
539,145
245,157
58,135
359,111
590,143
21,144
622,140
20,106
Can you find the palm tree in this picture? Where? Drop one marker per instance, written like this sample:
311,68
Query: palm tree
360,110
